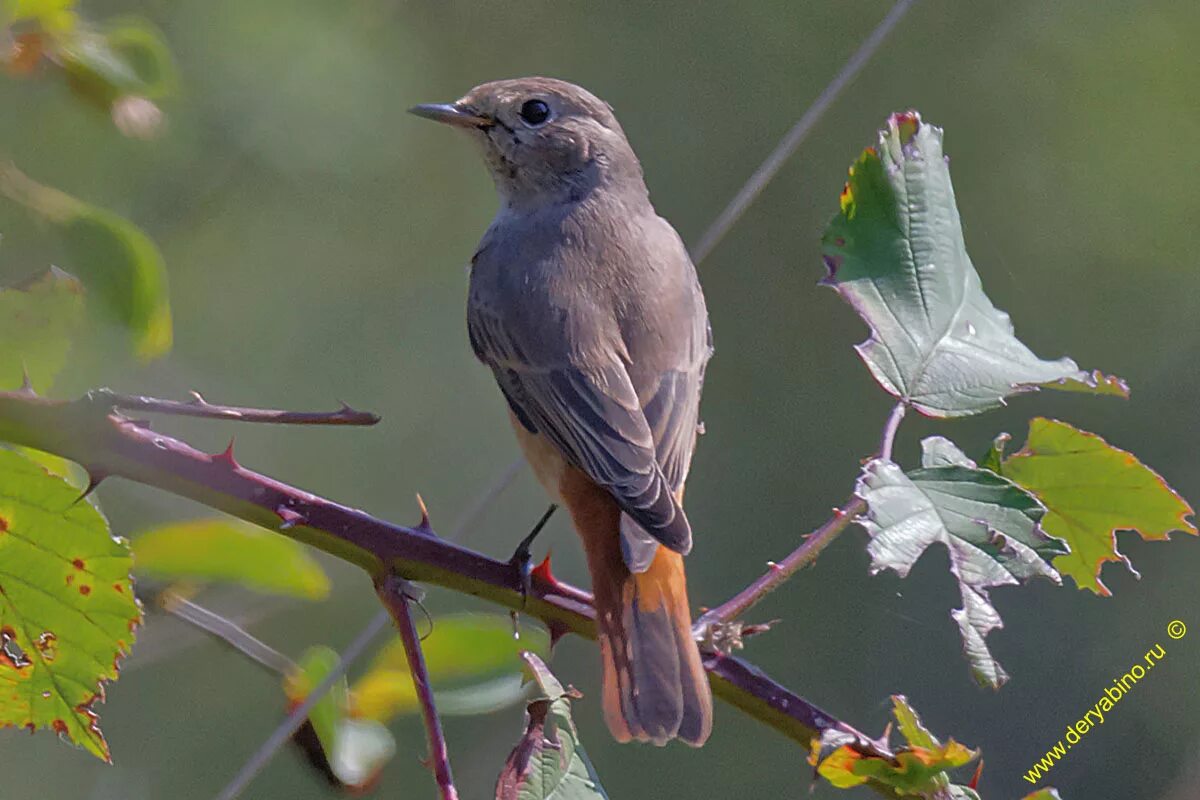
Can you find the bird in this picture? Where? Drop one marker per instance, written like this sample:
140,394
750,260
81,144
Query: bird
586,306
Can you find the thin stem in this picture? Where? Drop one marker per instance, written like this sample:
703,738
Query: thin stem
199,407
779,572
392,591
889,431
795,137
227,631
295,719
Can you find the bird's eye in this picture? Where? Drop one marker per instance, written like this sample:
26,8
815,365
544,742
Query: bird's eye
535,112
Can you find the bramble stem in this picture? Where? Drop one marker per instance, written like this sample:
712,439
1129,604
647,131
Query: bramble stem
395,597
199,407
779,572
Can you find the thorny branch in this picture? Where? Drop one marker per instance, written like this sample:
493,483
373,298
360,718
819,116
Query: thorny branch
721,628
397,598
107,444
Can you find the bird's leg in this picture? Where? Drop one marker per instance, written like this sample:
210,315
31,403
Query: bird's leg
522,558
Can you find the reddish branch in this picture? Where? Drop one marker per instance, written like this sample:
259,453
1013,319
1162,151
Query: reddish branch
398,599
106,443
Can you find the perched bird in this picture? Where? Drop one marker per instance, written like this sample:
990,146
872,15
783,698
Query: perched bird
586,306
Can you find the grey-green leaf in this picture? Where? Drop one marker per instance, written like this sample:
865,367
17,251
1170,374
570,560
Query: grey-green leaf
548,762
896,253
988,523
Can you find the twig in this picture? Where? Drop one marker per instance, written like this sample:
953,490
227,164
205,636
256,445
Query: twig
227,631
392,591
109,445
795,137
199,407
713,626
296,718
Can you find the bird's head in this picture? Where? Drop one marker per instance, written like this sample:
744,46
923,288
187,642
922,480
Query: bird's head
544,140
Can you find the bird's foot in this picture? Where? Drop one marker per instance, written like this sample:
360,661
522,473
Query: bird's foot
522,557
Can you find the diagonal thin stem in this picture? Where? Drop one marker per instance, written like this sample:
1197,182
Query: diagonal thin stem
296,718
395,596
199,407
227,631
708,626
795,137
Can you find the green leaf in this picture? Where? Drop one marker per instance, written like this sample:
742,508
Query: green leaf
67,611
1044,794
473,663
988,523
37,323
896,253
116,262
352,751
1091,490
233,552
920,765
53,15
548,762
126,270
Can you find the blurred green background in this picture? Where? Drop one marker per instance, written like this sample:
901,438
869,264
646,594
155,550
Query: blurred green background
317,237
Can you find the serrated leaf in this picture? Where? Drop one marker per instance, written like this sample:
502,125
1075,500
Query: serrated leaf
37,323
920,765
473,663
896,253
350,752
67,610
217,550
1091,490
548,762
987,522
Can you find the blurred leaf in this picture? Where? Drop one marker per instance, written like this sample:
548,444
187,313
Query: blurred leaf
55,16
548,762
1043,794
988,523
233,552
920,767
126,270
472,661
37,322
67,611
1091,490
895,252
114,259
349,752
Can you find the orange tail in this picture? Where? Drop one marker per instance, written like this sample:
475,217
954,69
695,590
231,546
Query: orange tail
655,688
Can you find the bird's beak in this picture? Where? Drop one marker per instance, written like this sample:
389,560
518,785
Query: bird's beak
450,114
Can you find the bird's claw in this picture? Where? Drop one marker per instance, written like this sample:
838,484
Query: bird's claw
522,557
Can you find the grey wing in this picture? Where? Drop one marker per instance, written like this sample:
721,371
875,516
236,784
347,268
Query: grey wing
593,416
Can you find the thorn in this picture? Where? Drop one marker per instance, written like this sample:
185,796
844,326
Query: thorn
226,456
197,398
542,572
974,782
423,526
290,517
753,629
26,382
883,741
95,478
771,565
557,631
